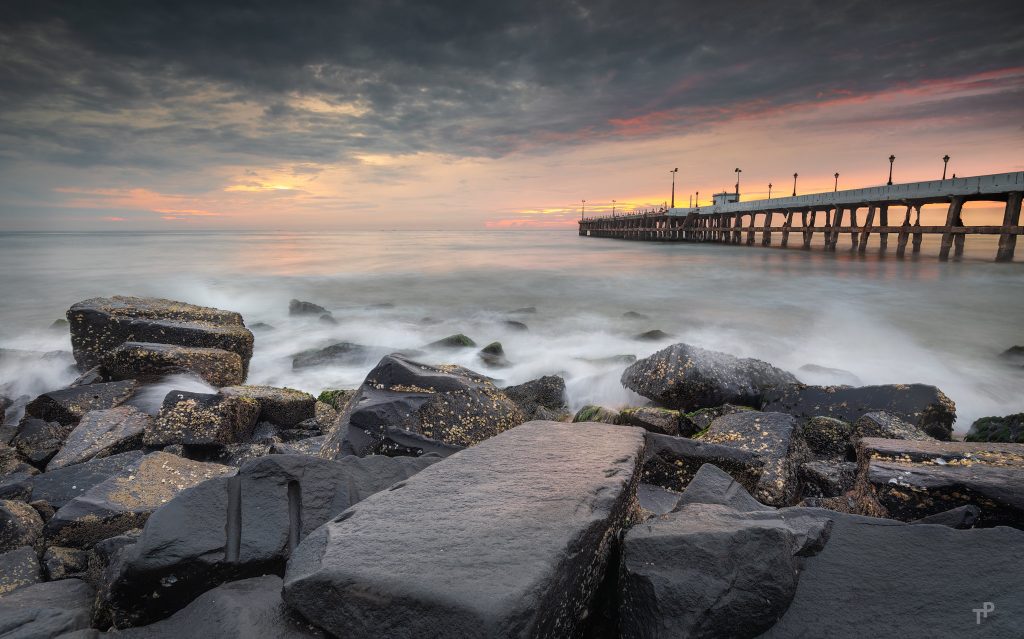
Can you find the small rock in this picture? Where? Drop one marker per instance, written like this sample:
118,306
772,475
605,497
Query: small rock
598,414
452,341
526,310
65,563
284,407
20,525
887,425
58,487
493,355
340,354
1013,356
672,462
826,478
38,441
655,420
338,398
655,335
298,307
1009,429
59,325
694,423
327,318
656,500
828,438
68,405
102,433
515,326
18,568
203,419
635,315
546,392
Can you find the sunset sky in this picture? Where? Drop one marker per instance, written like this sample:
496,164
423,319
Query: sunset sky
434,115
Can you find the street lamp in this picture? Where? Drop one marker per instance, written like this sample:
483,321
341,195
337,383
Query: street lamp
673,172
583,208
613,208
945,163
738,171
769,190
837,182
892,158
696,199
794,183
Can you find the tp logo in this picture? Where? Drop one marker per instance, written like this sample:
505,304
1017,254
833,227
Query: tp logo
983,612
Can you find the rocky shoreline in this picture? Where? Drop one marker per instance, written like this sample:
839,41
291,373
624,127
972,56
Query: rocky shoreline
431,502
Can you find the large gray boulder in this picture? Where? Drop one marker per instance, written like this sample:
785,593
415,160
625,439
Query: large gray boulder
246,609
46,610
509,538
126,500
102,433
283,407
408,408
242,526
920,405
687,377
100,325
769,436
203,419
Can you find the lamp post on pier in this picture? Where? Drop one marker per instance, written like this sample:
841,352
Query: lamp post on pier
696,200
892,158
583,208
769,190
794,183
673,172
945,164
837,182
613,208
738,171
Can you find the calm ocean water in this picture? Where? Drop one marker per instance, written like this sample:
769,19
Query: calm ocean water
884,320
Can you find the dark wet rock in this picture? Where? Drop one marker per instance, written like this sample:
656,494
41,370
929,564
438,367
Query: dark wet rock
770,436
60,486
887,425
537,578
104,558
655,335
961,518
100,325
739,573
657,500
299,307
229,454
246,609
696,422
451,342
203,419
68,405
910,479
285,407
656,420
609,361
37,441
405,407
515,325
17,485
20,525
687,378
526,310
712,485
493,355
923,406
46,610
546,392
59,325
671,462
65,563
1009,429
342,353
337,398
267,509
146,361
598,414
102,433
325,418
1013,356
327,318
94,375
828,438
309,446
295,434
18,568
704,571
826,478
125,501
635,315
823,374
44,508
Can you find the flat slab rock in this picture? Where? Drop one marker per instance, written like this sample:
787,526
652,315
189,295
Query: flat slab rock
58,487
920,405
914,479
284,407
241,526
508,538
147,361
102,433
68,405
126,500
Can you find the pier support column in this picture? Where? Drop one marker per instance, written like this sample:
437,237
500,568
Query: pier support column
853,228
956,205
809,234
750,229
918,235
737,233
866,232
901,243
786,227
837,223
1011,218
883,220
766,233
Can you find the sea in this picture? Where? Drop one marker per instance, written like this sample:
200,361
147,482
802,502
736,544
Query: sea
584,302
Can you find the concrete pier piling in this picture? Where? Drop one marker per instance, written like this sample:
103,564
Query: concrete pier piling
733,222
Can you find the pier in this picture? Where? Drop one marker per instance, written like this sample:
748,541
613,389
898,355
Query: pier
796,218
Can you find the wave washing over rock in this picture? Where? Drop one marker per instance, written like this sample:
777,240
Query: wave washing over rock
307,462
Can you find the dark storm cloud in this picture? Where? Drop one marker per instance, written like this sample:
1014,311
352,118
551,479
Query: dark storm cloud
153,83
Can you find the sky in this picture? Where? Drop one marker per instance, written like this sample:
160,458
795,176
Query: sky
191,115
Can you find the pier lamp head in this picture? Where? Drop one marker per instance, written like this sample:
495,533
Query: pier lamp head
892,158
945,158
837,175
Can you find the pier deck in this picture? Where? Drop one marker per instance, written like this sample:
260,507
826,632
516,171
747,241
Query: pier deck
740,222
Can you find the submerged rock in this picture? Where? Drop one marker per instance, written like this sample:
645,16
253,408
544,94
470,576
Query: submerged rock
452,341
340,354
241,526
923,406
149,362
655,335
1008,429
493,355
299,307
1013,356
686,377
408,408
536,577
203,419
100,325
102,433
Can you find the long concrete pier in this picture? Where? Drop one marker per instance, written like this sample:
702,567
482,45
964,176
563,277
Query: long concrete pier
733,222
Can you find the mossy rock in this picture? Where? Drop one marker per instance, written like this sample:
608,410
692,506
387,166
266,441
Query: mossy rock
453,341
1008,429
596,414
338,398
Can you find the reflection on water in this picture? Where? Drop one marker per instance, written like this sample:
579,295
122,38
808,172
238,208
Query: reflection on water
885,320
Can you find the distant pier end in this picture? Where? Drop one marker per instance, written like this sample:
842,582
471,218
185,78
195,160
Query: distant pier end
729,221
